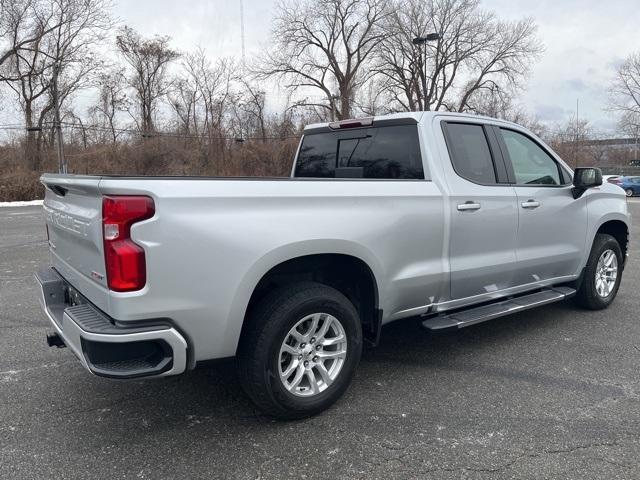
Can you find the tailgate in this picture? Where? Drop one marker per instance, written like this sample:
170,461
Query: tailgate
73,212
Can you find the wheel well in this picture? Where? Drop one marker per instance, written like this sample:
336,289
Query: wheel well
349,275
618,230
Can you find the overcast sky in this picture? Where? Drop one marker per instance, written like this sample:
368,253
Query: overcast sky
584,41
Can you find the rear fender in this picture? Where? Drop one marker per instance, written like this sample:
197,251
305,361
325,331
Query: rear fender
290,252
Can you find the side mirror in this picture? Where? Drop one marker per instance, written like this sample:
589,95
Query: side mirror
585,178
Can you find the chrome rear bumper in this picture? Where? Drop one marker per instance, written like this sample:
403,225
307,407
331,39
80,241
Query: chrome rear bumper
104,347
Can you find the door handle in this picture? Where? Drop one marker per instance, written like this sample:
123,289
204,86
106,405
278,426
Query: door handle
530,204
467,206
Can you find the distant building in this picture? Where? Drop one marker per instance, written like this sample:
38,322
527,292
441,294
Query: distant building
609,152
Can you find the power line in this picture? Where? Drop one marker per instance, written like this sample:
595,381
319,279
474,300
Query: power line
242,31
97,128
169,134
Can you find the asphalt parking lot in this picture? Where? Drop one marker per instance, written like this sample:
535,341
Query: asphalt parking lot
549,393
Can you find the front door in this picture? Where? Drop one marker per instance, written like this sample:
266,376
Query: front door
552,225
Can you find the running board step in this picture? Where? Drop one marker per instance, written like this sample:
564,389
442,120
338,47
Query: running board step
465,318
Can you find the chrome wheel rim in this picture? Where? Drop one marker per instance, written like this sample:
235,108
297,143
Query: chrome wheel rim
629,192
606,273
312,354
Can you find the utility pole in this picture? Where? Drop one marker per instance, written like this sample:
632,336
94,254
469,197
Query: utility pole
62,162
637,131
242,30
577,130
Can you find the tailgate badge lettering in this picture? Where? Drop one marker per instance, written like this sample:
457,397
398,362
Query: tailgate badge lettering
67,222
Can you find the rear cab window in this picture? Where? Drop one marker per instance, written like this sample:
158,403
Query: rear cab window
475,152
470,152
385,152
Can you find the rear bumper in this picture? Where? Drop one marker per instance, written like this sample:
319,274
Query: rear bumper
102,346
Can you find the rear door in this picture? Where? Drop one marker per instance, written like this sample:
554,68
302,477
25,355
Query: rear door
483,210
552,224
73,212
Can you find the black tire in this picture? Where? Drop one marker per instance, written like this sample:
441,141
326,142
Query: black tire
587,296
629,192
268,325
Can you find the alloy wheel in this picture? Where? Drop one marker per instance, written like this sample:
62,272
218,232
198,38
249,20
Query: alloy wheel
606,273
312,354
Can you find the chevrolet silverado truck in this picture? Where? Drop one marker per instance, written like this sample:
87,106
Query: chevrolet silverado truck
453,219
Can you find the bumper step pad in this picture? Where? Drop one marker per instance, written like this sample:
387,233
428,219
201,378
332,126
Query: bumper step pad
92,320
105,346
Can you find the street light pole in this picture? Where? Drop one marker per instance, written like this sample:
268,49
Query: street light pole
62,163
431,37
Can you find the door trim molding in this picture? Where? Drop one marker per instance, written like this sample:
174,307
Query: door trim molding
438,307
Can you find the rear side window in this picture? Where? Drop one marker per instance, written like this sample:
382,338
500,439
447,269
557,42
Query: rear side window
390,152
470,152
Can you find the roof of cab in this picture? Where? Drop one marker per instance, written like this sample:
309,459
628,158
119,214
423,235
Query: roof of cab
418,117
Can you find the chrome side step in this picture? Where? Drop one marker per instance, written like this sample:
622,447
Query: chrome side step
473,315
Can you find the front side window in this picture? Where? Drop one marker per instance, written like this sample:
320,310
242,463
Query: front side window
531,164
390,152
470,152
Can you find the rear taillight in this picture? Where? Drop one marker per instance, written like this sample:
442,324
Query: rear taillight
124,259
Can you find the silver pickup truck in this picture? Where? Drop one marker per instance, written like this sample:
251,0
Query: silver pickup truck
454,219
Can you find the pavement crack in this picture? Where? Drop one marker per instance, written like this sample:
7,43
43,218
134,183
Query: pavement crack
16,245
264,464
10,373
547,452
511,463
618,464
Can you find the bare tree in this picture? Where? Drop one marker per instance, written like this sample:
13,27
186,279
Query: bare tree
570,142
112,100
148,59
202,98
184,98
251,106
476,52
624,96
498,103
326,46
23,25
493,102
215,86
629,123
68,30
76,121
201,93
598,151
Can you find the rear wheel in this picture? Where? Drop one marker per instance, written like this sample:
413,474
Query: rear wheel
602,274
629,192
300,350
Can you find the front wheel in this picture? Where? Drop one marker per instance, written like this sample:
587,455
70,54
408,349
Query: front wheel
602,274
299,350
629,192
